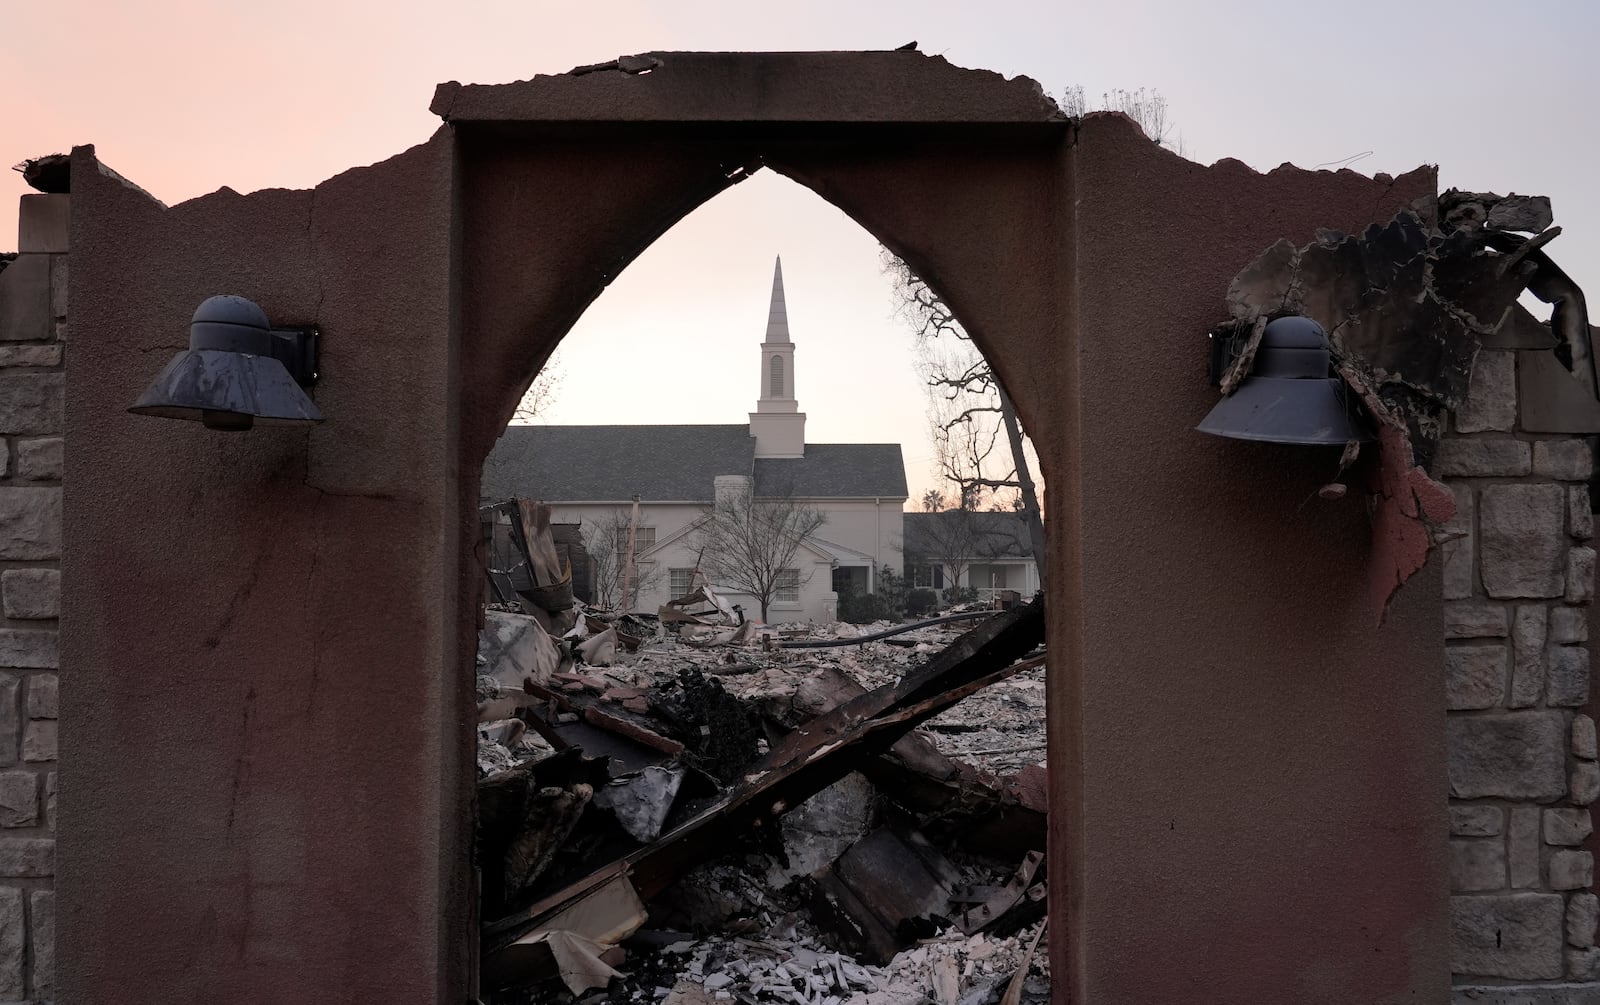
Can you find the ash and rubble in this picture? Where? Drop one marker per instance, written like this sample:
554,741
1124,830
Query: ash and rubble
691,807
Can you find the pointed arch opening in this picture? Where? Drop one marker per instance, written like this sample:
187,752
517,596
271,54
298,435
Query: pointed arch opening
653,454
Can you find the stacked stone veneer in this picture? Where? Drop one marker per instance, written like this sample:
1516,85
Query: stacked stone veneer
32,341
1519,567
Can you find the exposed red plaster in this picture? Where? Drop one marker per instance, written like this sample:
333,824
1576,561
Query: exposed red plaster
1408,502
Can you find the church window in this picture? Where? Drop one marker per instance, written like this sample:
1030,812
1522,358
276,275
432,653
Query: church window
644,538
788,587
777,376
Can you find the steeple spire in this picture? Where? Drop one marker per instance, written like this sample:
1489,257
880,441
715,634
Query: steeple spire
778,425
778,313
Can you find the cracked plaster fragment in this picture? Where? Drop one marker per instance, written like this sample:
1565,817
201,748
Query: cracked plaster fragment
1569,313
627,64
1470,210
1404,306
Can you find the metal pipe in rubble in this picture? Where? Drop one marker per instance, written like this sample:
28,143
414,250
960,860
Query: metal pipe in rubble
899,630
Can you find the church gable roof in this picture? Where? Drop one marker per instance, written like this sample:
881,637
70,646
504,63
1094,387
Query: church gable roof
614,463
834,471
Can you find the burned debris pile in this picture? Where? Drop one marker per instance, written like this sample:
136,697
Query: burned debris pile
693,807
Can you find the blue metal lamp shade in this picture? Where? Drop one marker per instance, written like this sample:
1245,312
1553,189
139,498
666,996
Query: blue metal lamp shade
1290,395
236,372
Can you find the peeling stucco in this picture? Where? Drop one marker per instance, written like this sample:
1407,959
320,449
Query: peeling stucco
1406,305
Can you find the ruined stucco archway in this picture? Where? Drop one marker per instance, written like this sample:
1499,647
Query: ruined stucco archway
1245,773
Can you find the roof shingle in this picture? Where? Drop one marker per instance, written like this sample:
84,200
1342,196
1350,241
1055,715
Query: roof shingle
678,464
614,463
835,470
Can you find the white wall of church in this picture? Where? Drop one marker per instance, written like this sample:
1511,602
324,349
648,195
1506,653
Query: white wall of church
874,529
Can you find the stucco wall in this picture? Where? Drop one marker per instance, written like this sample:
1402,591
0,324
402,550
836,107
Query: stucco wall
1254,785
1245,770
272,802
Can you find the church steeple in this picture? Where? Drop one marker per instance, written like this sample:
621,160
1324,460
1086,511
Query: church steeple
777,423
778,313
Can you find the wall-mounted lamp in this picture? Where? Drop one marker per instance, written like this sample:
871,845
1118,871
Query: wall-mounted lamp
1291,394
237,370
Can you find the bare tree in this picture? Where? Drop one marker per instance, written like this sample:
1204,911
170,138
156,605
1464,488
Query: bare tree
541,394
607,542
957,539
969,411
749,544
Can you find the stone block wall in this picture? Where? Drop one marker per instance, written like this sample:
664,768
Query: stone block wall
1519,564
32,342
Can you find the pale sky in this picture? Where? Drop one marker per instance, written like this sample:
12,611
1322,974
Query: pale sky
185,96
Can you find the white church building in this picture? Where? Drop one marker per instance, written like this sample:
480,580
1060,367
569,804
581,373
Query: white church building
591,474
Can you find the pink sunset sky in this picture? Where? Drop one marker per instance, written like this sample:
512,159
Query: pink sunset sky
184,96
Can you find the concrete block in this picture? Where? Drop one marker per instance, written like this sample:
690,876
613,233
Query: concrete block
39,741
1583,913
40,460
25,300
1580,576
10,720
1476,821
1457,557
1583,737
31,594
1566,677
1454,539
31,404
1491,403
1475,676
42,929
42,223
1474,619
1518,936
1571,870
1580,512
1486,457
1529,630
1477,864
1569,625
1569,460
1585,782
13,945
30,524
43,702
19,798
27,858
1566,826
30,648
1516,755
1582,965
1522,547
1524,848
30,355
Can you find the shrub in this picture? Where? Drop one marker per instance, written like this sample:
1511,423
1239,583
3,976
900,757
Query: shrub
921,602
